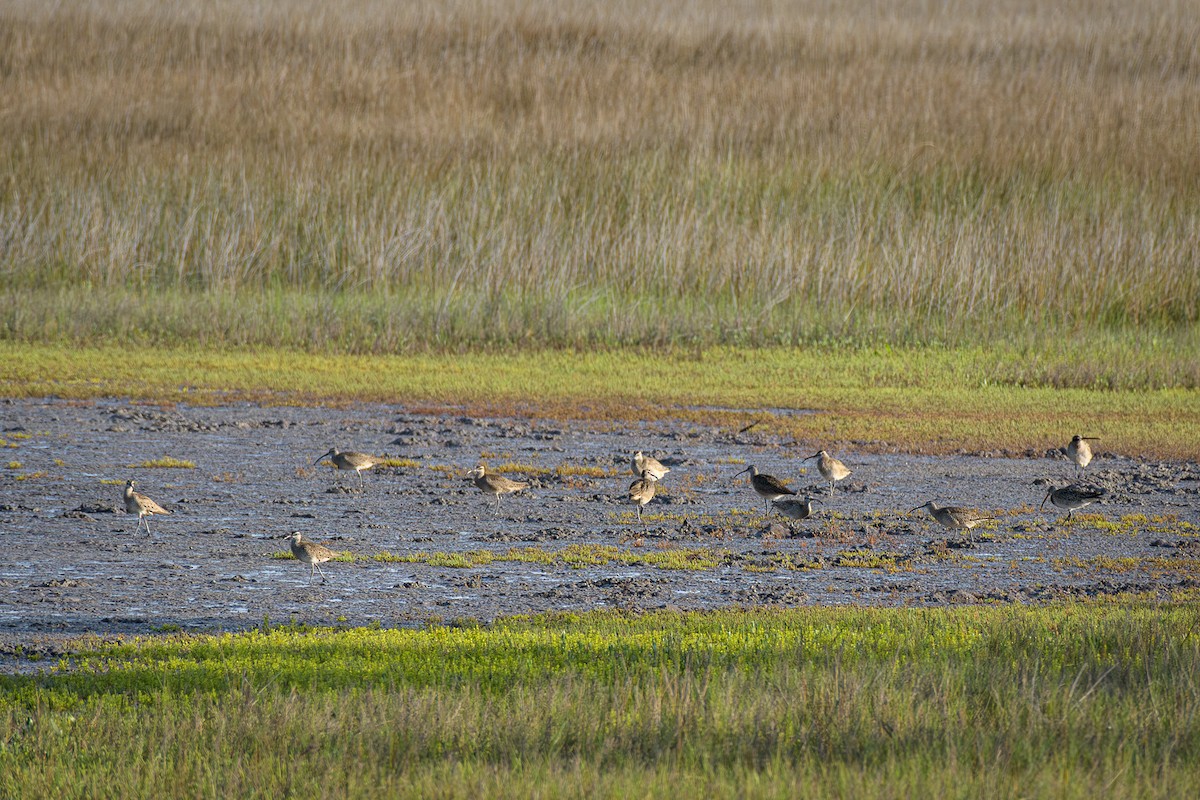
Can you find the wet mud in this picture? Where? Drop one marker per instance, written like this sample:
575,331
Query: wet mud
73,562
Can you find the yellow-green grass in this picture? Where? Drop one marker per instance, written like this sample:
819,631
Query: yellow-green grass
377,177
165,462
914,399
1074,701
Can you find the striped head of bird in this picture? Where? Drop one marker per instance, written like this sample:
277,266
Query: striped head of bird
927,504
330,453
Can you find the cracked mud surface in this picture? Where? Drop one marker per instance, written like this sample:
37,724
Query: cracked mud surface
74,563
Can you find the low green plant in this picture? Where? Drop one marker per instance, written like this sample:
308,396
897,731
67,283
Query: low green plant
165,462
1069,700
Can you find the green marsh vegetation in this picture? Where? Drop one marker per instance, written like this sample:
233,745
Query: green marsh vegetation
932,400
532,173
1075,700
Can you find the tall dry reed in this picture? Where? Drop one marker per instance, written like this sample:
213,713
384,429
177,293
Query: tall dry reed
569,172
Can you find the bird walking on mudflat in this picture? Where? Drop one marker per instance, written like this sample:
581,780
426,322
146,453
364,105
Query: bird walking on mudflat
1072,496
641,492
643,464
1079,451
349,459
140,504
310,553
954,517
831,469
794,509
495,484
768,487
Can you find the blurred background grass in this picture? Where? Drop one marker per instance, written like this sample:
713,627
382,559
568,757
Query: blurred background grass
374,177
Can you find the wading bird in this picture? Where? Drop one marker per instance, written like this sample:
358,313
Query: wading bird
768,487
310,553
493,484
144,507
954,517
350,460
641,492
1080,451
831,469
643,464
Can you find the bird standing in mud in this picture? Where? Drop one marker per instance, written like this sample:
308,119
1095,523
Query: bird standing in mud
641,492
493,484
794,509
831,469
310,553
1071,497
350,460
643,464
1079,451
140,504
768,487
954,517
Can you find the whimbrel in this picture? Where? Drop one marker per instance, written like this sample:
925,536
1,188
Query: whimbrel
1072,496
310,553
494,484
138,503
831,469
1080,451
769,487
794,508
641,491
954,517
350,460
643,464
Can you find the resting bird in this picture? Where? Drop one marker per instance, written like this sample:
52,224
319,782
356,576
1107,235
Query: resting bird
1072,496
794,508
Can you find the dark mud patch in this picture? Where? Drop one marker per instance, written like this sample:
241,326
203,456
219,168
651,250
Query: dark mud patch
73,562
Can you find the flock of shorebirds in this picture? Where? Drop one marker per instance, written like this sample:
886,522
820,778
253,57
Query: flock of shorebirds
650,471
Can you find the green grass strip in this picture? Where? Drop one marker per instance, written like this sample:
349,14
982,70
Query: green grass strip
1074,700
919,400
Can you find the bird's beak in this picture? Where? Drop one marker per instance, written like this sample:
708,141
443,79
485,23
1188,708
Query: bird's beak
918,508
747,469
1047,497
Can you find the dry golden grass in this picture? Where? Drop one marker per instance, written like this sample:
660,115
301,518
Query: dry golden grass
434,173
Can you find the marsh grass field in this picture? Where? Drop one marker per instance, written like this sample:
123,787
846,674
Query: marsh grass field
428,176
1078,700
912,227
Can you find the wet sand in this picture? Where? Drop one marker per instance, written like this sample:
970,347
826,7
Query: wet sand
73,562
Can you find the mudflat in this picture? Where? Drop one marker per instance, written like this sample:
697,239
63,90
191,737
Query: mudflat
428,545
